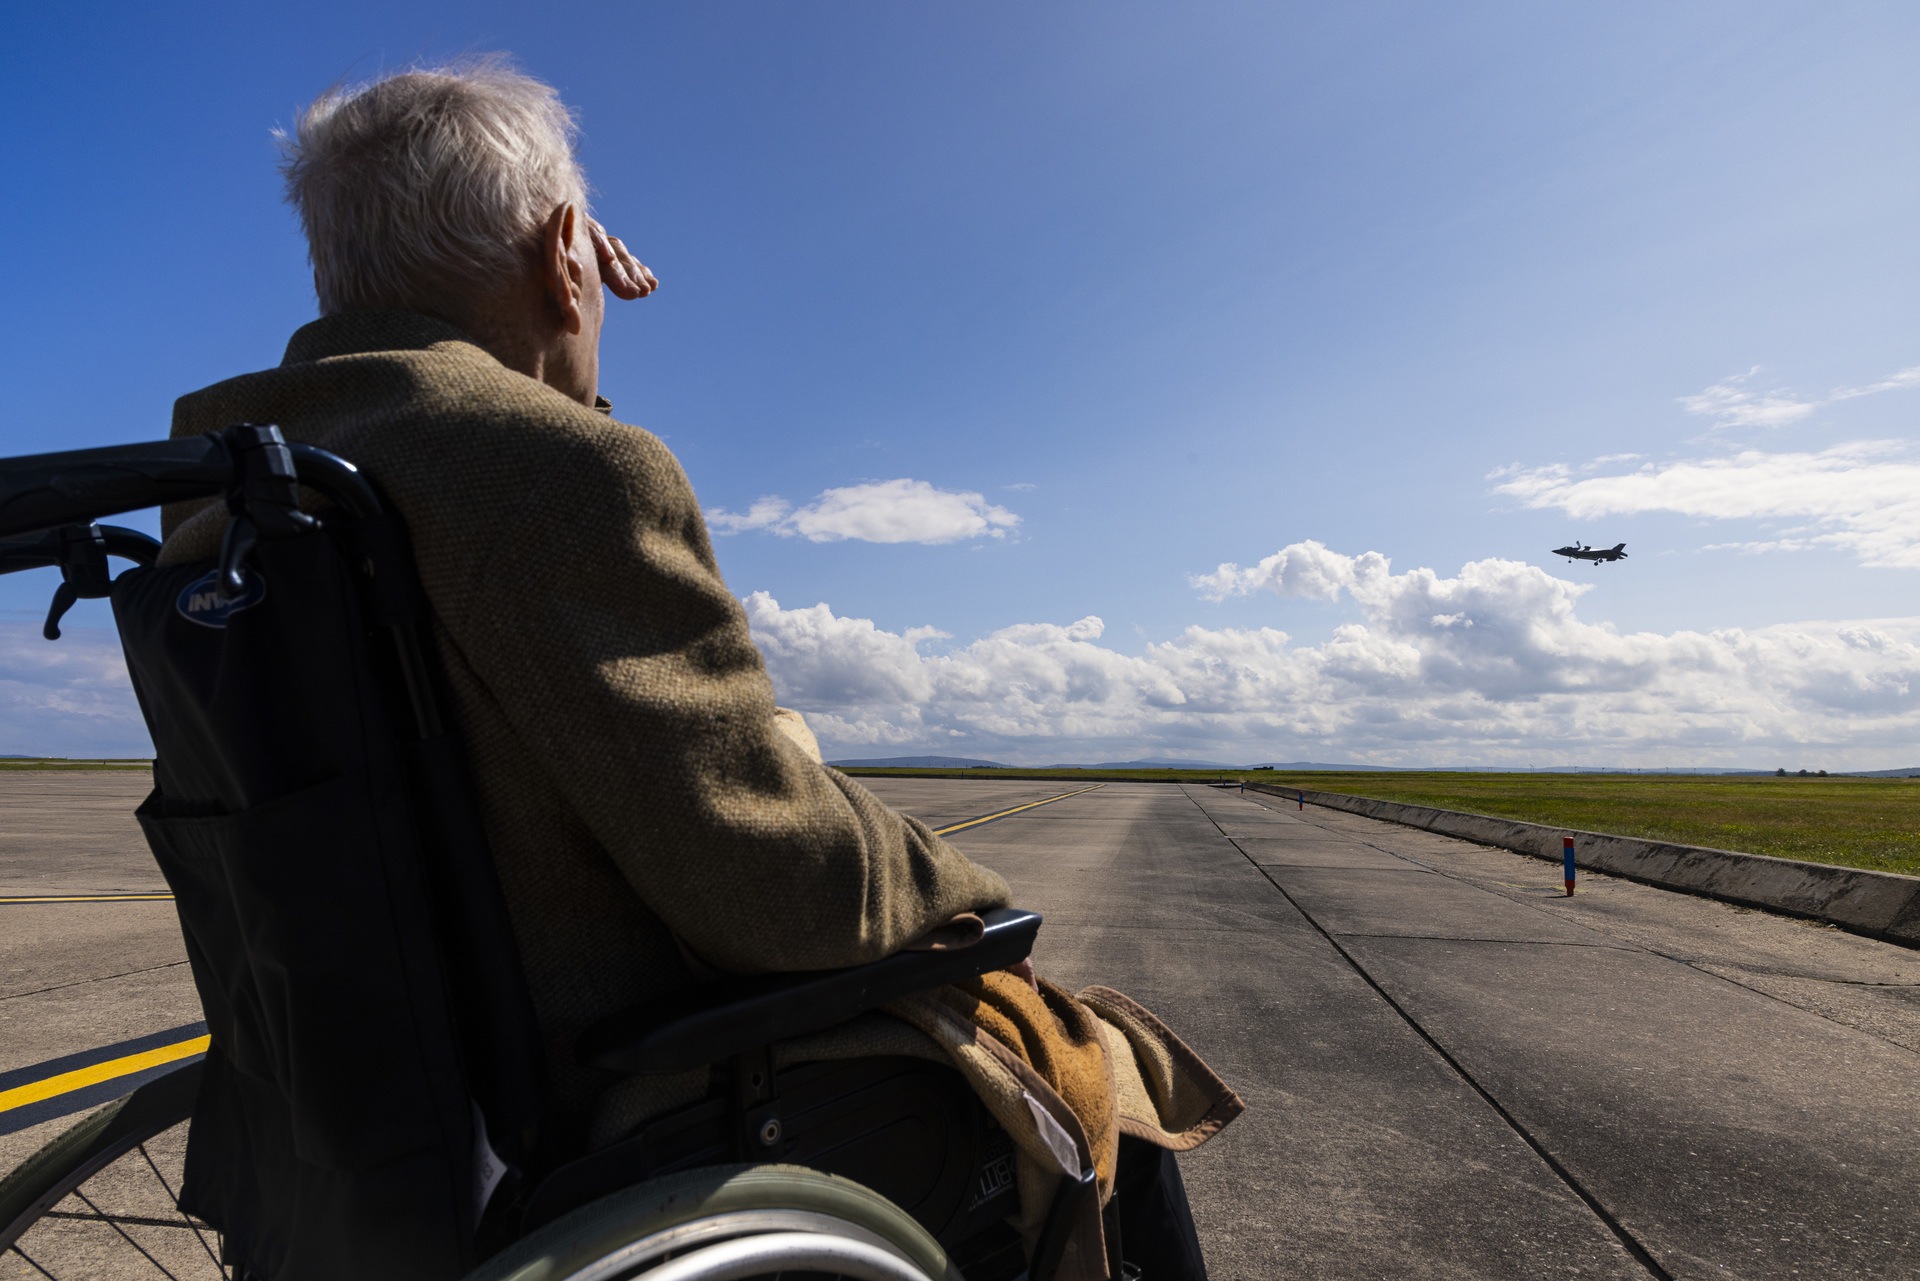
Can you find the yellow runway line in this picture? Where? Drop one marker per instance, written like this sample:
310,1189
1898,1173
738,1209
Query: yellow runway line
89,898
988,818
80,1078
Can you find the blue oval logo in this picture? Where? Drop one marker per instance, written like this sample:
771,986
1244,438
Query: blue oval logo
201,602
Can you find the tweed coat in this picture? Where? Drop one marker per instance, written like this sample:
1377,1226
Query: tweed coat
619,721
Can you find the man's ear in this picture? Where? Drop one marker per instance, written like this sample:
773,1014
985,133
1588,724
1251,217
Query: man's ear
563,270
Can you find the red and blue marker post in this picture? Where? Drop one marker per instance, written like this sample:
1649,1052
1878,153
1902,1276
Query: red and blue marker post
1302,797
1566,859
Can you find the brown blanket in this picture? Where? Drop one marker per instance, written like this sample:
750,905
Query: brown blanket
1067,1074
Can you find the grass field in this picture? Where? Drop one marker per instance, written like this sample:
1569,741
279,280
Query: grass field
1855,822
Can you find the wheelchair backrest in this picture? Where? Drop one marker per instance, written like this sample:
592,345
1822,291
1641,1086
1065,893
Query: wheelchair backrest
374,1062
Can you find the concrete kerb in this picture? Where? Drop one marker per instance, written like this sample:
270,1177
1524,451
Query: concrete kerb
1882,905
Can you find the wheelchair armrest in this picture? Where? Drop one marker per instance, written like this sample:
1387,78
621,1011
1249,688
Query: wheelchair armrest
718,1020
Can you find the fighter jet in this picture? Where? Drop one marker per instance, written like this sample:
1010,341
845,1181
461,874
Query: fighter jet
1598,555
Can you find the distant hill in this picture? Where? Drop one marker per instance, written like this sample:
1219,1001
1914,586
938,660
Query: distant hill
1151,762
1513,769
920,762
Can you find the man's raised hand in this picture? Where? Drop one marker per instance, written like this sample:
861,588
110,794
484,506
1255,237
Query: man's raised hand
626,275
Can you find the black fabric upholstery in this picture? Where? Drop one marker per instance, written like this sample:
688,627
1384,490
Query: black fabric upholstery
332,1135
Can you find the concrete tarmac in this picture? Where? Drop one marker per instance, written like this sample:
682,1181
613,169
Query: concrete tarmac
1451,1071
80,975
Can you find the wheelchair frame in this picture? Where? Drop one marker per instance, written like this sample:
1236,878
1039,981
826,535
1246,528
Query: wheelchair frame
50,506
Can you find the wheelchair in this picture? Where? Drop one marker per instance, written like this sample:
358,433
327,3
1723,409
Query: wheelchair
372,1102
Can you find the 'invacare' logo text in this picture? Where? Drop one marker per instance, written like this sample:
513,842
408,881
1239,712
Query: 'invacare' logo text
201,603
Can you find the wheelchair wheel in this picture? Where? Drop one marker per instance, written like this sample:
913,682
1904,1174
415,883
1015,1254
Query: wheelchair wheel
102,1199
729,1223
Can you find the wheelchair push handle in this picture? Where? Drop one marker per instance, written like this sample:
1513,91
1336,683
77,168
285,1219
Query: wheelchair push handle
48,503
80,486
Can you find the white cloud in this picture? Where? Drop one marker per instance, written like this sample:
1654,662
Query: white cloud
1862,497
1301,569
69,697
1909,377
1490,665
886,511
765,513
1733,403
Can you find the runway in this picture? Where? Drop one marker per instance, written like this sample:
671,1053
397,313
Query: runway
1451,1072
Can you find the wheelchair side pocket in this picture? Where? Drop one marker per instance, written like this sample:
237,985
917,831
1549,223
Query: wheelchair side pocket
288,912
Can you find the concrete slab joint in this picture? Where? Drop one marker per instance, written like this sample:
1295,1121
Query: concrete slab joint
1881,905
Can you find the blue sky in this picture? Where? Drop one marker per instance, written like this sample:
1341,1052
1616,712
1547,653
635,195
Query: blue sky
1131,292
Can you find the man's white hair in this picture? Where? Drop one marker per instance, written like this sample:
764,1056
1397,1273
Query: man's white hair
421,191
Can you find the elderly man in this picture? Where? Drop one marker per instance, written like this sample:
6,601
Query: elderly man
649,818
